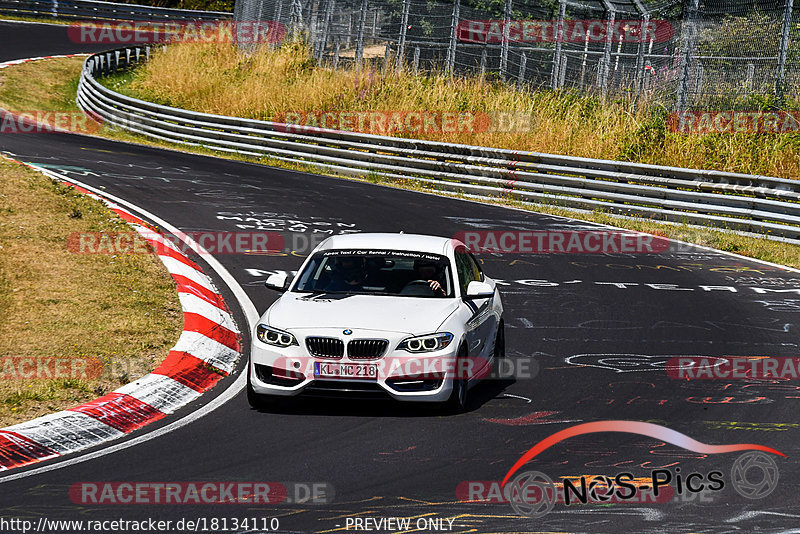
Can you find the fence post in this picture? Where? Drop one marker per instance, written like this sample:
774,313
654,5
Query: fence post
55,8
349,30
386,54
784,47
522,64
360,39
645,25
689,33
585,56
296,18
562,71
751,71
416,60
483,62
559,36
336,55
451,49
401,44
606,66
324,39
278,9
504,44
698,79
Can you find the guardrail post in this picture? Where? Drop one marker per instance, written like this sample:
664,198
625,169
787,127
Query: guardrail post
416,60
55,8
504,44
451,49
689,34
784,48
401,44
559,36
522,63
360,39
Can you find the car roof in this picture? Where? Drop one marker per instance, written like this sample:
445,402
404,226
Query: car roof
386,241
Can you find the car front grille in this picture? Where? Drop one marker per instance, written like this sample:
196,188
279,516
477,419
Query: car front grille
325,347
366,349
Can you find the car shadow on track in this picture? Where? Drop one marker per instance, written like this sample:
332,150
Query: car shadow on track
343,405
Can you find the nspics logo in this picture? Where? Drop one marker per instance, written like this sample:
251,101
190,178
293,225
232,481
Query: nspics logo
754,474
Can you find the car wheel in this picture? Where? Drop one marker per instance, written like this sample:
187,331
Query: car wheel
457,402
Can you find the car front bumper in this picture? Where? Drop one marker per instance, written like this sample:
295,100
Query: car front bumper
423,377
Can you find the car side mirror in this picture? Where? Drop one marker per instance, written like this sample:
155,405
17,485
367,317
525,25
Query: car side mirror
479,290
278,282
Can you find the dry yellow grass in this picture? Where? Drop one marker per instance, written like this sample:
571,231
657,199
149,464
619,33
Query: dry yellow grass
220,79
122,310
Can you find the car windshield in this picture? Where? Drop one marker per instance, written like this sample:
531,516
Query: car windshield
376,272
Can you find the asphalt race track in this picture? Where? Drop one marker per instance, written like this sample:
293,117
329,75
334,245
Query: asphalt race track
567,312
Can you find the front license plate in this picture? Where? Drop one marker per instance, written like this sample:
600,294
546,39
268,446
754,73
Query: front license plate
345,370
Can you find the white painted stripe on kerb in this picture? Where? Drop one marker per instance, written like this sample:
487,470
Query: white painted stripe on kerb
66,431
210,351
161,392
178,267
193,304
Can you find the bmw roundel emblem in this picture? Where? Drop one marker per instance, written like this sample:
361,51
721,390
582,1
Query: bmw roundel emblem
347,332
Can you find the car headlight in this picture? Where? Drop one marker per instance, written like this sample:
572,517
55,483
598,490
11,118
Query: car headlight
273,336
427,343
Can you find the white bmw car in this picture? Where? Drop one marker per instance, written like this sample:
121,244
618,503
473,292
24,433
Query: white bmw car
409,316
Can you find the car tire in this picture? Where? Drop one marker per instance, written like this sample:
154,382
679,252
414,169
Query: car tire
459,396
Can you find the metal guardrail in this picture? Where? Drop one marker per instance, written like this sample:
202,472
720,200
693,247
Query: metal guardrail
739,202
95,10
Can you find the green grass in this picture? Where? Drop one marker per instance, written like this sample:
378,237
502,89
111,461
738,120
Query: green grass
652,127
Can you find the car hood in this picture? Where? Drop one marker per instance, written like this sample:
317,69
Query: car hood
369,312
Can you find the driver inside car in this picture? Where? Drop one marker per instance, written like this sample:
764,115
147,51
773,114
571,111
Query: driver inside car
428,271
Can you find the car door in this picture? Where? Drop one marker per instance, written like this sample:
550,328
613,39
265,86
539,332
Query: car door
480,312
